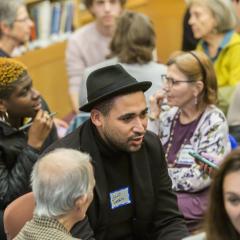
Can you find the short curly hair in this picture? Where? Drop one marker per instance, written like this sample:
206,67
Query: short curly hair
88,3
10,72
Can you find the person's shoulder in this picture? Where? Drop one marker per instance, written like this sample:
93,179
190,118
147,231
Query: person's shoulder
157,65
214,111
83,32
105,63
151,139
72,140
234,44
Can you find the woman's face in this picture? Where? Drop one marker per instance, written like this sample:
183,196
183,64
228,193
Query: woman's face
201,21
21,29
179,91
24,101
231,196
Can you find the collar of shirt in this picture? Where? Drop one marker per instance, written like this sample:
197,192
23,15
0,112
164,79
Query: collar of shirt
226,39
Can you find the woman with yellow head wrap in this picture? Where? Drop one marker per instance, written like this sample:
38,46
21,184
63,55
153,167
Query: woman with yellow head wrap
19,149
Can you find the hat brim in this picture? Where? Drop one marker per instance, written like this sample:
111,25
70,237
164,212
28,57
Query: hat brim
139,86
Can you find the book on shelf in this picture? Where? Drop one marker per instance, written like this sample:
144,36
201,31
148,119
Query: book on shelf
52,18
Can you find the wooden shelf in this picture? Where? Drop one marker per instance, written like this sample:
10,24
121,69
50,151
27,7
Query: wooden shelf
32,1
47,68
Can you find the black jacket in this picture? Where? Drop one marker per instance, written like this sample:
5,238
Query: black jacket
156,212
16,161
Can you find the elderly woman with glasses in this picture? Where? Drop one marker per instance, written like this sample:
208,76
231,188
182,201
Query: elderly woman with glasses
192,123
15,26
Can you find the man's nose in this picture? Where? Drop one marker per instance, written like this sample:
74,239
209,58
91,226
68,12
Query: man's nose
140,125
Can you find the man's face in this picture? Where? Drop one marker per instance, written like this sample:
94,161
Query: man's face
125,125
106,11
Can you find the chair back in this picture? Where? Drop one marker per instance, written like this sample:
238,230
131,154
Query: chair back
17,214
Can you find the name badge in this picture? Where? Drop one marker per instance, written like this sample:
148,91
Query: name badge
120,198
184,158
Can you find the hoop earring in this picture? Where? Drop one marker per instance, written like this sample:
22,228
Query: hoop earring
4,116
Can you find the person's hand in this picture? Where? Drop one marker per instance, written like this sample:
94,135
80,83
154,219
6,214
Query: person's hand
206,168
61,126
59,123
40,129
156,101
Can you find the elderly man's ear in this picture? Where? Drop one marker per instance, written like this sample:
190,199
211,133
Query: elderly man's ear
81,205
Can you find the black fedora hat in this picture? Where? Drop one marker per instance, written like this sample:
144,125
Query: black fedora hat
108,82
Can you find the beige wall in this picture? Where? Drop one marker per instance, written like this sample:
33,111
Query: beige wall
167,18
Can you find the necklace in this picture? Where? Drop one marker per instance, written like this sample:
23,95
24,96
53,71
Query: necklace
171,134
170,142
186,137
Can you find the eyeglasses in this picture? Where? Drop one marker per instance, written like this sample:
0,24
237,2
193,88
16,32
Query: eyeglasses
23,19
171,81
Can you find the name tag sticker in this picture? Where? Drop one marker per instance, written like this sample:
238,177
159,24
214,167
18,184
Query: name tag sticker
184,158
120,198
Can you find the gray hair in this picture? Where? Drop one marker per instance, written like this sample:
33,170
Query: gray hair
8,10
223,11
59,179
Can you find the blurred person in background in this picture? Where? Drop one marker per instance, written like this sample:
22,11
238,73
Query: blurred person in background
89,44
133,46
15,26
193,123
15,29
214,22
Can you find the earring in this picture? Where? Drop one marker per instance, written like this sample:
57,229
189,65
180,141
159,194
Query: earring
4,116
196,101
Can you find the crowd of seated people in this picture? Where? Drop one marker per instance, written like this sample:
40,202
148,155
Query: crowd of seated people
193,105
133,45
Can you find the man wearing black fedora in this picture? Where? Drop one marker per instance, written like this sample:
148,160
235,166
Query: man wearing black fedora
133,198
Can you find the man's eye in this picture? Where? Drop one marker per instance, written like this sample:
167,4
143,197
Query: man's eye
143,115
127,118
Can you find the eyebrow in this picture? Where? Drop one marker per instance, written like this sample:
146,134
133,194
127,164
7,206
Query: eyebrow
132,114
26,84
232,193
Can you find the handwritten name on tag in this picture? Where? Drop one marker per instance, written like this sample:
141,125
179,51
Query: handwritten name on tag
120,198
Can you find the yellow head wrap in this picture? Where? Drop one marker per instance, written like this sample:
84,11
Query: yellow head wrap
10,71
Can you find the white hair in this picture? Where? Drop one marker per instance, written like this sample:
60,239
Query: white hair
223,11
8,10
59,179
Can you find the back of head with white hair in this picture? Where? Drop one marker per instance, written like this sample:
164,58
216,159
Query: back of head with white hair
59,179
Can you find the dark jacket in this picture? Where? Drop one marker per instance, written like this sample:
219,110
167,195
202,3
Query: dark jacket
156,211
17,160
